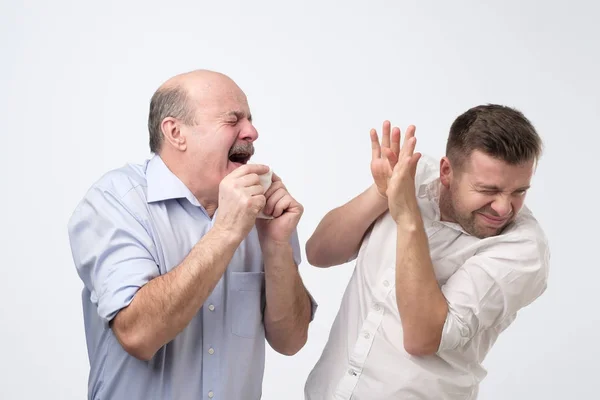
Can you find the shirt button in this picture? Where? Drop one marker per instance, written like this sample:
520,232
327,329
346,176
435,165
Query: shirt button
366,335
211,351
211,394
211,307
377,307
386,283
351,372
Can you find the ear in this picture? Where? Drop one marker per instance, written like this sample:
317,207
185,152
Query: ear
446,173
171,129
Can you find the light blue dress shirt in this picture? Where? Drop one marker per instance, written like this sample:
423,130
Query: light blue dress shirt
139,222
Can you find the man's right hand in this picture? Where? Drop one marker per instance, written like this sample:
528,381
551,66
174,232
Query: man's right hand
384,156
241,198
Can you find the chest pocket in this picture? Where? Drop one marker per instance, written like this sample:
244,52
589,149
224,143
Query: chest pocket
247,303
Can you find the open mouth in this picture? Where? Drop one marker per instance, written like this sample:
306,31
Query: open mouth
240,156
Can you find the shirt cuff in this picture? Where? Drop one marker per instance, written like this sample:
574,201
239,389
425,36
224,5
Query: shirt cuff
455,333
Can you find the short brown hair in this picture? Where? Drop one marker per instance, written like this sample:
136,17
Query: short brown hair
167,102
498,131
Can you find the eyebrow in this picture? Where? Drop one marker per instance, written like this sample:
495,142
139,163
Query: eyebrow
239,115
497,189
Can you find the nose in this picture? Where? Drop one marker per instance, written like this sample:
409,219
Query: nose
502,206
248,132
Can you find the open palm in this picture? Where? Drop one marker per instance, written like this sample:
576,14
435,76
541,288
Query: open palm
384,155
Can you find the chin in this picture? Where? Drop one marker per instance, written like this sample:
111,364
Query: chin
483,232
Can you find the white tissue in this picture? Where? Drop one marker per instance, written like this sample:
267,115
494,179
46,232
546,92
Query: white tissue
265,181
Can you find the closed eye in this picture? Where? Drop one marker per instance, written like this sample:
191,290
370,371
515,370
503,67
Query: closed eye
233,117
519,192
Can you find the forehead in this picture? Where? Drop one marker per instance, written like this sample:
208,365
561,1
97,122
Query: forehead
482,169
221,100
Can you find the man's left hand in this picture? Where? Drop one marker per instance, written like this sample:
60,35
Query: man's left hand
284,209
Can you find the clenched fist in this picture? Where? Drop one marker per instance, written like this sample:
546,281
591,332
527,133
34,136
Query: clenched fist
241,198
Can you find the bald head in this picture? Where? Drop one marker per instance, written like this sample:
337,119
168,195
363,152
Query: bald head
202,80
183,96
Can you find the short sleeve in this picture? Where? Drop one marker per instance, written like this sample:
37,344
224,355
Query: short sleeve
492,286
112,251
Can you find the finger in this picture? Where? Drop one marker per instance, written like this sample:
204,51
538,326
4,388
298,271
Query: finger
375,148
414,161
273,199
254,190
385,139
395,145
410,133
246,181
410,146
406,158
275,177
282,205
406,153
258,202
391,157
273,188
247,169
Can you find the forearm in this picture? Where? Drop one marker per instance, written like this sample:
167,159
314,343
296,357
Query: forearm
339,235
164,306
420,301
288,307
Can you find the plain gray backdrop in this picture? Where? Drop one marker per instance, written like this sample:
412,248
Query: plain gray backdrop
75,84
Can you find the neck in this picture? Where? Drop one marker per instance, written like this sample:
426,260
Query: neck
201,187
445,204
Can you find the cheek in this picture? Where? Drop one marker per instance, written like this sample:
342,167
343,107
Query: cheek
517,203
468,201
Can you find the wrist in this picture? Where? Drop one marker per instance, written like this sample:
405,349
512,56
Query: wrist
409,221
275,249
226,235
378,201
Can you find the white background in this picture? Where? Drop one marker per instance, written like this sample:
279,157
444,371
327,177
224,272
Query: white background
75,83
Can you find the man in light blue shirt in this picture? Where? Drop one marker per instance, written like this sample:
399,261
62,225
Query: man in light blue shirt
182,282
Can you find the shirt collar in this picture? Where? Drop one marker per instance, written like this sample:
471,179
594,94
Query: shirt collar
429,190
164,184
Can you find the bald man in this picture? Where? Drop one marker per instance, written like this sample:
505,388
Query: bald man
182,282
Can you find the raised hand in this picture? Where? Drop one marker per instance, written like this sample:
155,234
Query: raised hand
241,198
384,156
401,185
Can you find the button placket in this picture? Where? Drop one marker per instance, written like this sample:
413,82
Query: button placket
212,318
384,283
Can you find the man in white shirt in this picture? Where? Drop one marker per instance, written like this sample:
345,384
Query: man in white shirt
446,255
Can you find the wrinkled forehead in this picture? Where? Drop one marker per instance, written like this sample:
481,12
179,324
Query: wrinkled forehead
215,101
484,170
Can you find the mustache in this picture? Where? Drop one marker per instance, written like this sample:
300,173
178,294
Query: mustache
242,148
